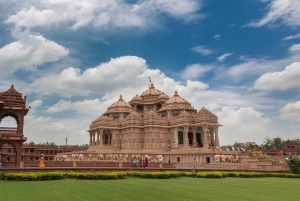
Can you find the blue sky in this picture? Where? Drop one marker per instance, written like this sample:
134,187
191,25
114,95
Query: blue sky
72,58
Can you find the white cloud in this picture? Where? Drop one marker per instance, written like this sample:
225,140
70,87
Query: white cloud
203,50
258,66
117,73
282,80
286,10
217,36
35,104
224,56
291,111
103,13
195,71
57,129
244,124
196,85
29,52
292,37
294,48
90,107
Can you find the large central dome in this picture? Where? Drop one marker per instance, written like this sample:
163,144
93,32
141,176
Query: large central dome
151,92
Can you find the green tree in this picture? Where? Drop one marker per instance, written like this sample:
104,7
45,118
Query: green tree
296,141
294,165
278,142
268,143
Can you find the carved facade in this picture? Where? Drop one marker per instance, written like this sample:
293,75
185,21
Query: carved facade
12,104
154,123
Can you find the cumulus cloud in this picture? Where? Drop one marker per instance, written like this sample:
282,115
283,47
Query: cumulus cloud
281,80
90,107
294,48
203,50
57,129
291,37
29,52
224,56
195,71
257,66
103,13
115,74
244,124
35,104
196,85
291,111
288,11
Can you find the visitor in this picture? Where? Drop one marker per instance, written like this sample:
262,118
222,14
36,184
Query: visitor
232,148
169,161
0,164
195,163
134,162
160,160
146,162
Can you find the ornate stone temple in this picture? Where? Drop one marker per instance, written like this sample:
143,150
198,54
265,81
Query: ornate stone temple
12,104
154,123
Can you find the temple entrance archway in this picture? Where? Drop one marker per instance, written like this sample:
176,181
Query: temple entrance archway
12,112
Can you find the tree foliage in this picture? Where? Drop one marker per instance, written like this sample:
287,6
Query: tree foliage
294,165
273,142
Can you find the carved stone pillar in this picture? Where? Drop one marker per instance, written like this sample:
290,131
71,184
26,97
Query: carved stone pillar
194,137
98,138
91,142
212,136
217,143
101,137
205,141
109,140
186,136
94,138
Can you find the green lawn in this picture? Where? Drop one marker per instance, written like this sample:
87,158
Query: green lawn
231,189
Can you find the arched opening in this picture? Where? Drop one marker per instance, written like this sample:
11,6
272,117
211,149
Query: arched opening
8,124
8,154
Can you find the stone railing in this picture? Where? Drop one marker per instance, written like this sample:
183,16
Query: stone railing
12,130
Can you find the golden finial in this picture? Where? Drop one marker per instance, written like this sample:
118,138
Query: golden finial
152,84
176,92
121,97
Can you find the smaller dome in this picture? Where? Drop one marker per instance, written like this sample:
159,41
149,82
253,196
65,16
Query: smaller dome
176,99
177,103
163,97
206,116
137,98
119,107
151,92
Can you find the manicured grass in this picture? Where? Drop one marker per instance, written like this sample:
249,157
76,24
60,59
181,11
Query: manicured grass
184,188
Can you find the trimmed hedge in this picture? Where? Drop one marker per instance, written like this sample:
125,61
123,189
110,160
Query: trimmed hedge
34,176
42,176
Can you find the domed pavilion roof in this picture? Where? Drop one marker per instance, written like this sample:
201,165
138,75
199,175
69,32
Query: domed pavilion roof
177,102
119,107
163,97
206,116
151,92
136,99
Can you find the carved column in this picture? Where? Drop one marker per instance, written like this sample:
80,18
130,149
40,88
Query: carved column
186,136
205,141
101,137
98,138
217,143
94,138
91,138
212,136
109,140
194,137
